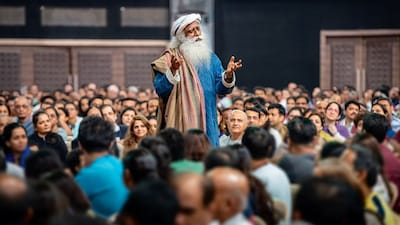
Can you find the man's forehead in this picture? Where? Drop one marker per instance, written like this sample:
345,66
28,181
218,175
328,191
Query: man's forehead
192,25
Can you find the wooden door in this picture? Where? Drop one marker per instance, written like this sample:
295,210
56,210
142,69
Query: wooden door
362,59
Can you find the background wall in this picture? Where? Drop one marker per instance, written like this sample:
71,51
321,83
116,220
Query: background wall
278,40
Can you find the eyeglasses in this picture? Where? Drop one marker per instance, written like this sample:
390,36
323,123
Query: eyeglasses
21,106
332,109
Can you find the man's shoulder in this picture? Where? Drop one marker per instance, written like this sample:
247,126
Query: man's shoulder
269,170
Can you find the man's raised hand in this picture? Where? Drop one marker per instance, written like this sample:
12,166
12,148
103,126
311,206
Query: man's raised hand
232,67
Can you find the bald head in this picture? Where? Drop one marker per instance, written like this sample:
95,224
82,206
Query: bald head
13,199
11,186
232,189
195,193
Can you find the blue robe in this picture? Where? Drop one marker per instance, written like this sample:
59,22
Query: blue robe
211,82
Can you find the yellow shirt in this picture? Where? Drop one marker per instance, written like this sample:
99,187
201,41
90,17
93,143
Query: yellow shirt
327,137
377,205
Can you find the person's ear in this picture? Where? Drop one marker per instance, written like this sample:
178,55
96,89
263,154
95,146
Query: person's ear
289,142
362,175
316,139
128,179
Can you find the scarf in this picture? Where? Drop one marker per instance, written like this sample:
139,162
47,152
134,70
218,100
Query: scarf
185,108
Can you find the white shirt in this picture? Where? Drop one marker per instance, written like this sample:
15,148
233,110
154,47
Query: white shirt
237,219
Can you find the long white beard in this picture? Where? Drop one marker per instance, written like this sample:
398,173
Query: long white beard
195,50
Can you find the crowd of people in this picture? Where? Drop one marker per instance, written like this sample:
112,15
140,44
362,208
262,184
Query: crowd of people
283,156
197,150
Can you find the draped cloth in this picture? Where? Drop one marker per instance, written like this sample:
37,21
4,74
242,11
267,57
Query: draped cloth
185,108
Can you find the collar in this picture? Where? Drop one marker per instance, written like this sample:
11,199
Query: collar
116,128
236,220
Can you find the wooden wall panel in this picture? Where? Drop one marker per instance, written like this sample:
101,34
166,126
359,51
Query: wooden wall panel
137,66
50,67
10,70
378,62
95,66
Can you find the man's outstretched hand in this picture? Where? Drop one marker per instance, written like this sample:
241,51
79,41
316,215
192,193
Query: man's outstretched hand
232,67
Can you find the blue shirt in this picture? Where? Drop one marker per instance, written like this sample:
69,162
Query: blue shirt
210,77
28,126
22,159
102,182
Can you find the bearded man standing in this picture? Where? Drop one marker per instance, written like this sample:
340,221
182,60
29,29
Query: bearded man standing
188,77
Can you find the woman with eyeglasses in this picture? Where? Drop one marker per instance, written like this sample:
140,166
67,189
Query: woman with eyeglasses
333,113
43,137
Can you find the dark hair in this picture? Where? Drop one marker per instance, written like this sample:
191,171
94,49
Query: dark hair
68,186
9,128
73,160
370,142
377,125
95,134
151,202
196,144
71,103
350,102
3,162
46,201
301,110
160,150
381,98
7,133
128,99
316,113
123,112
237,98
301,130
318,196
365,161
64,111
253,100
141,164
219,157
81,112
243,162
54,110
338,105
8,107
302,96
96,97
175,142
35,117
76,219
254,109
105,106
360,116
43,98
332,149
41,162
385,111
256,88
259,142
279,107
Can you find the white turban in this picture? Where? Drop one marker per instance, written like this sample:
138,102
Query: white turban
183,21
